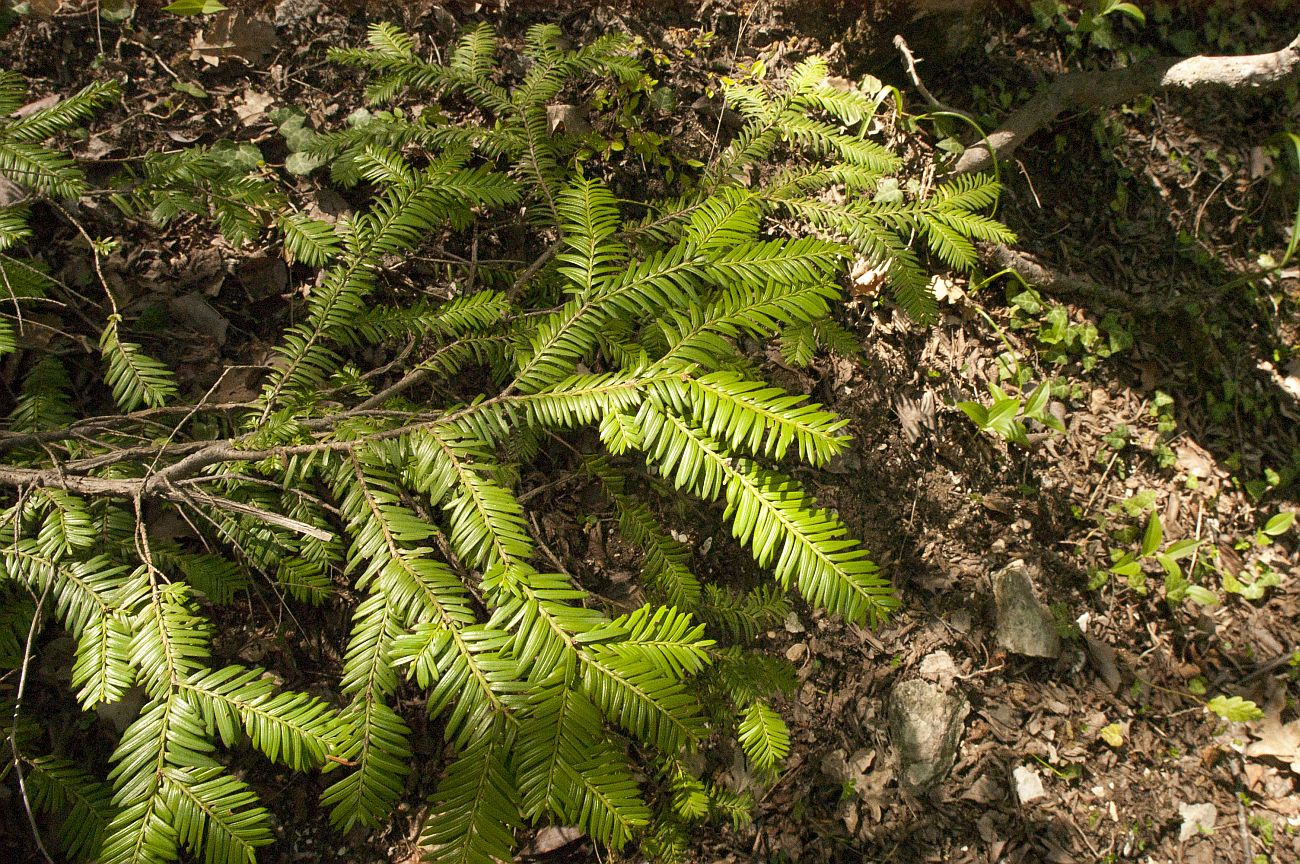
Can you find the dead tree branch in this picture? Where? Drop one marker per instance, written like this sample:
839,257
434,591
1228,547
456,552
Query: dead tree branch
1024,265
911,61
1084,91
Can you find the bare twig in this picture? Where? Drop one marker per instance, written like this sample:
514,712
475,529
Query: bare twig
13,731
94,250
1101,482
9,440
1002,257
1196,550
901,44
547,254
1242,830
267,516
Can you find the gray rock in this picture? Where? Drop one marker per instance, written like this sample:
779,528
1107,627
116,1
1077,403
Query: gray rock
1025,625
295,11
1029,786
926,720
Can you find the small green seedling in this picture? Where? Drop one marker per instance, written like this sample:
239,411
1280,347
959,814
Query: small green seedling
1006,417
1129,565
1275,527
1264,578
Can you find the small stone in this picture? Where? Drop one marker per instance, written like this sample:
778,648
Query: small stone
938,667
1024,625
1197,819
296,11
796,652
1029,786
926,720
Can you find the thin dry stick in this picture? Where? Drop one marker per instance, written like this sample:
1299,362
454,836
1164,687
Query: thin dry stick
13,731
735,52
1196,550
547,254
1242,830
275,587
901,44
1102,482
89,424
267,516
148,472
94,253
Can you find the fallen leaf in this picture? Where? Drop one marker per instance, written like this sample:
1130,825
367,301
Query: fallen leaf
867,278
1195,461
253,106
985,790
946,290
1277,739
296,12
39,105
551,838
97,147
262,277
569,119
234,34
45,8
10,192
1112,734
195,313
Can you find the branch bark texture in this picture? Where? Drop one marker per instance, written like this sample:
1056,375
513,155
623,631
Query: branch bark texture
1083,91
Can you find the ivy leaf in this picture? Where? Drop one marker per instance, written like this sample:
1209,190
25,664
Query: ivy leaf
302,163
887,192
1234,709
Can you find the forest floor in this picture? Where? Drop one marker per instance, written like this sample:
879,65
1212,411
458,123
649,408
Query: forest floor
1178,383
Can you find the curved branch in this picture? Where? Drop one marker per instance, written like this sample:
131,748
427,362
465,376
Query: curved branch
1083,91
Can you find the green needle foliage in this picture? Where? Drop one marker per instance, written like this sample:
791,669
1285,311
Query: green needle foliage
381,469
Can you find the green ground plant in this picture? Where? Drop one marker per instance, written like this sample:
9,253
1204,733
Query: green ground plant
379,471
1205,580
